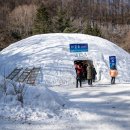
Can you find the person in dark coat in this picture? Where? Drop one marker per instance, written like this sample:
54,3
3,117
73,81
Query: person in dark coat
85,71
94,73
89,74
78,75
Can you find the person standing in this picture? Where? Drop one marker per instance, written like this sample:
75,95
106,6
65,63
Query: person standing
78,75
89,74
94,73
113,74
85,71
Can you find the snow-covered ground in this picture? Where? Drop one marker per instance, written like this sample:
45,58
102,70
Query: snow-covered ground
101,107
55,103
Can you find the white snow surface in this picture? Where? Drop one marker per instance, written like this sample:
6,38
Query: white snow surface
54,103
102,107
51,53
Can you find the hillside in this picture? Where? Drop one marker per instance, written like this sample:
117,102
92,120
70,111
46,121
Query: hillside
18,19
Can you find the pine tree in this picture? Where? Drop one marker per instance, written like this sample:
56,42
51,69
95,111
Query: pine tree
42,23
71,30
88,30
61,21
95,31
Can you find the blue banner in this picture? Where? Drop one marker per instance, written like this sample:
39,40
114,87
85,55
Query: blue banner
82,47
112,61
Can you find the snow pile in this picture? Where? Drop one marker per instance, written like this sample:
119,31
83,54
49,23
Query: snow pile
39,103
51,53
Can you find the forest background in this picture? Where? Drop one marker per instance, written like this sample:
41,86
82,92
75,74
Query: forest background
109,19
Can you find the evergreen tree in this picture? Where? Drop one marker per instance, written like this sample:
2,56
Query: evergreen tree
88,30
71,30
42,23
95,31
61,21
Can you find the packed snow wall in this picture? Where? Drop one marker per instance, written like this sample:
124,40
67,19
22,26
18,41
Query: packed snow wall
51,52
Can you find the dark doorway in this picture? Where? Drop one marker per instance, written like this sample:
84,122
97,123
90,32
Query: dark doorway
84,64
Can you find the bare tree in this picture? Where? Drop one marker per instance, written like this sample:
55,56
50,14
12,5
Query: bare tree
19,89
21,19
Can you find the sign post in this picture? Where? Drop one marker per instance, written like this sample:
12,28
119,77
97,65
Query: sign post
112,61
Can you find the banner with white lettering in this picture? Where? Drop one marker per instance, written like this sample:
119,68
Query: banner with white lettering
82,47
112,61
